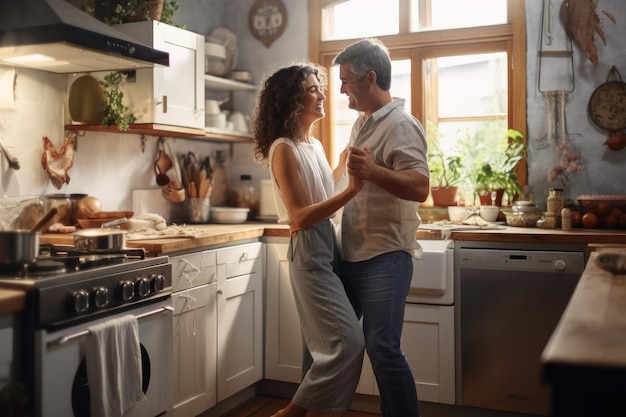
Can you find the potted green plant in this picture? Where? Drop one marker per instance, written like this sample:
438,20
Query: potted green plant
115,12
446,170
498,174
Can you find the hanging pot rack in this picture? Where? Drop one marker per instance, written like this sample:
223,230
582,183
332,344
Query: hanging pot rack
568,53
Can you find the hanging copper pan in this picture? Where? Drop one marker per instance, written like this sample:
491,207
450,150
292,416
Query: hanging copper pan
607,105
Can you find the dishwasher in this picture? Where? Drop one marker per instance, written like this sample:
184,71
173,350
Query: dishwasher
510,300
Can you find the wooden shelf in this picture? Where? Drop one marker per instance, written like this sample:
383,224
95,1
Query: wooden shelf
225,84
153,129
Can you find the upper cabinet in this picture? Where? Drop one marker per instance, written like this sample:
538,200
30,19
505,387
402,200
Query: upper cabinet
166,101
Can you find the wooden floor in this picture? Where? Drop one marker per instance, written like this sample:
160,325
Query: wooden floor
261,406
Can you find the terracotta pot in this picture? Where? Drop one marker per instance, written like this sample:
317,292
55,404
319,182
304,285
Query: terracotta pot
485,200
444,196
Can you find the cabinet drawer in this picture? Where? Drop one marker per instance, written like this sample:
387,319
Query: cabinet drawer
193,270
241,260
191,300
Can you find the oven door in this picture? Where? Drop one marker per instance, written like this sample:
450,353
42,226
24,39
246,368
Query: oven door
62,388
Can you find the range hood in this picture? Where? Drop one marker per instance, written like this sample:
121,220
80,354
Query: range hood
55,36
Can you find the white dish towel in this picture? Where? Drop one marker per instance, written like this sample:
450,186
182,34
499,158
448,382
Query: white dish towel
114,371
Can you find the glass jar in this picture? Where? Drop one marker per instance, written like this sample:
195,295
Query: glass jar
245,195
74,199
523,214
63,204
555,201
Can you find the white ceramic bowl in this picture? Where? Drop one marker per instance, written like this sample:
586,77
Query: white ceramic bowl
229,215
456,214
489,213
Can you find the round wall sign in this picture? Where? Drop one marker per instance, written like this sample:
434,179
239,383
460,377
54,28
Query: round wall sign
267,20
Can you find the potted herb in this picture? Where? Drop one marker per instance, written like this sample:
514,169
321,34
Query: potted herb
446,168
115,12
498,173
115,111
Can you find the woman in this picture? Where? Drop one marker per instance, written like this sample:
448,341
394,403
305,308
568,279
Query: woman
289,104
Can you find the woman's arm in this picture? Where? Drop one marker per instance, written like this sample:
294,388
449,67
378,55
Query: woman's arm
303,213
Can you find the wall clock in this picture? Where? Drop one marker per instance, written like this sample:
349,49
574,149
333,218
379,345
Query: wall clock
267,20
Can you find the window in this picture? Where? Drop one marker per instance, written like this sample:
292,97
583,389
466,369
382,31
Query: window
459,64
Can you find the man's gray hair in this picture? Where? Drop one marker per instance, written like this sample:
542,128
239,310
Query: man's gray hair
368,55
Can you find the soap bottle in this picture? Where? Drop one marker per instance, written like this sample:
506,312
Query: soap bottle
219,181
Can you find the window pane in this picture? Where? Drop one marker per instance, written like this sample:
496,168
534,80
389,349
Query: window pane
345,117
470,85
466,100
360,19
451,14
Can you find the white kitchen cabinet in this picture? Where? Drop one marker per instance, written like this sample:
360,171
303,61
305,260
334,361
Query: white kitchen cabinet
239,318
283,341
195,332
171,95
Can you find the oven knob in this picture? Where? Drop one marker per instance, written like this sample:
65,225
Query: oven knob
143,286
127,290
100,297
80,301
158,282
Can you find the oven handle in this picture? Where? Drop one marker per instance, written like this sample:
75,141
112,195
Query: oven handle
64,339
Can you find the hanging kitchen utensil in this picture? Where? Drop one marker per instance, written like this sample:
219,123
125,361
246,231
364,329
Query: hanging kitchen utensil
555,105
607,104
554,53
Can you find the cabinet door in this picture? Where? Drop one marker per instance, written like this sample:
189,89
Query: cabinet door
195,350
171,95
283,338
240,318
428,343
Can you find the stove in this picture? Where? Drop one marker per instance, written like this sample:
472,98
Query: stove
67,286
68,291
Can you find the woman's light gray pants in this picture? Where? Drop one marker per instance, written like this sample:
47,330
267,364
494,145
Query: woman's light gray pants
329,324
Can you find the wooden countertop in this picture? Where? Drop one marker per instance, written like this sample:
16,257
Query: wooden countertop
217,234
592,330
11,301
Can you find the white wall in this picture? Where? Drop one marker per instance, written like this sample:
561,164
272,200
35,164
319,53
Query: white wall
110,166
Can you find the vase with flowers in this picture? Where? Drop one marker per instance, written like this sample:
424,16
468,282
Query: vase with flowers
569,162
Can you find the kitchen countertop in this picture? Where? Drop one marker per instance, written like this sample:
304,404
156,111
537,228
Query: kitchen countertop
585,358
217,234
11,301
211,235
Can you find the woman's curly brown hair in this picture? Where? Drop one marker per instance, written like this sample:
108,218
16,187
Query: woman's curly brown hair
279,105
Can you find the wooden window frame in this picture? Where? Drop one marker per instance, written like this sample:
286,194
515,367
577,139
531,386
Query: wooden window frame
509,37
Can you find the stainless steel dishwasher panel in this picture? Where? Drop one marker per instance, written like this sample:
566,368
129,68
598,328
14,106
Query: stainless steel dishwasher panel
510,303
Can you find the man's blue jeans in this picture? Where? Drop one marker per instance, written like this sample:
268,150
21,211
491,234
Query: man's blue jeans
377,289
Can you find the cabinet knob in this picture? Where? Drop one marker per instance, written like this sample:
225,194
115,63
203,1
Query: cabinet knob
220,292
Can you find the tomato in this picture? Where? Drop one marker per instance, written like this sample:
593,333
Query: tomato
603,208
590,220
622,221
610,221
617,212
577,218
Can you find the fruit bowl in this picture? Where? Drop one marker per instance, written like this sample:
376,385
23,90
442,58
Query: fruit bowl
601,204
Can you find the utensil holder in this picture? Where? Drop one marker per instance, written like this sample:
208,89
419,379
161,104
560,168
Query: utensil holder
198,209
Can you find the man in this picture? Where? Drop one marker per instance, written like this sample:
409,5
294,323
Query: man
377,240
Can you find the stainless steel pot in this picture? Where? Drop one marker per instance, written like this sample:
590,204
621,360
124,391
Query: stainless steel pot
18,247
90,240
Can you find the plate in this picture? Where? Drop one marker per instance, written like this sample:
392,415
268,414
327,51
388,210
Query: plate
229,40
86,101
